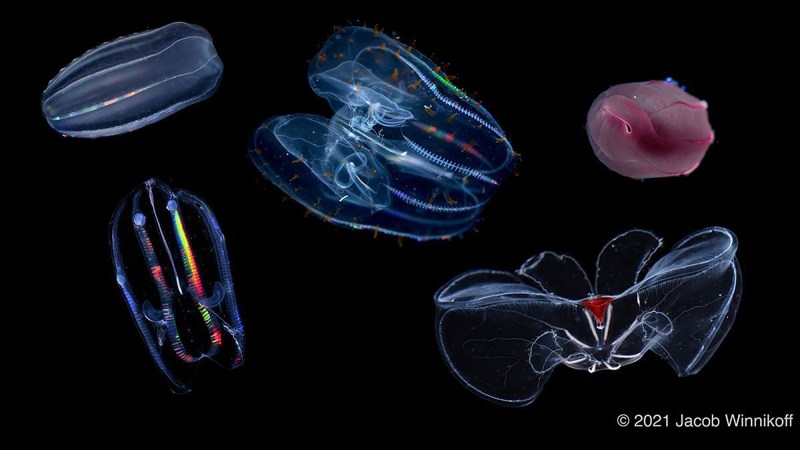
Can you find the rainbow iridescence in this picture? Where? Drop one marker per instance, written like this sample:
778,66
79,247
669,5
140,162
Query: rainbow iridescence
132,82
160,270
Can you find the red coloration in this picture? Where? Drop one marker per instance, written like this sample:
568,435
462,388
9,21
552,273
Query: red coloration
216,337
449,137
470,148
649,130
157,273
597,306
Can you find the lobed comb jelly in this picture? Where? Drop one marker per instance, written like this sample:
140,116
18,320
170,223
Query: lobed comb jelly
406,152
502,334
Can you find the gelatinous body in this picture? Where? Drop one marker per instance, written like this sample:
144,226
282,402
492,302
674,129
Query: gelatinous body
172,265
406,152
502,333
649,130
133,81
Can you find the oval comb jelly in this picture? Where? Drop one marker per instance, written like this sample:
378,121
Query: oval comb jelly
649,130
172,265
133,81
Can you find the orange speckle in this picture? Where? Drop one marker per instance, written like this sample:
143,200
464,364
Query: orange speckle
469,147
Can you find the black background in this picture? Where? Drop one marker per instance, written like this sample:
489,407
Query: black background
339,324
